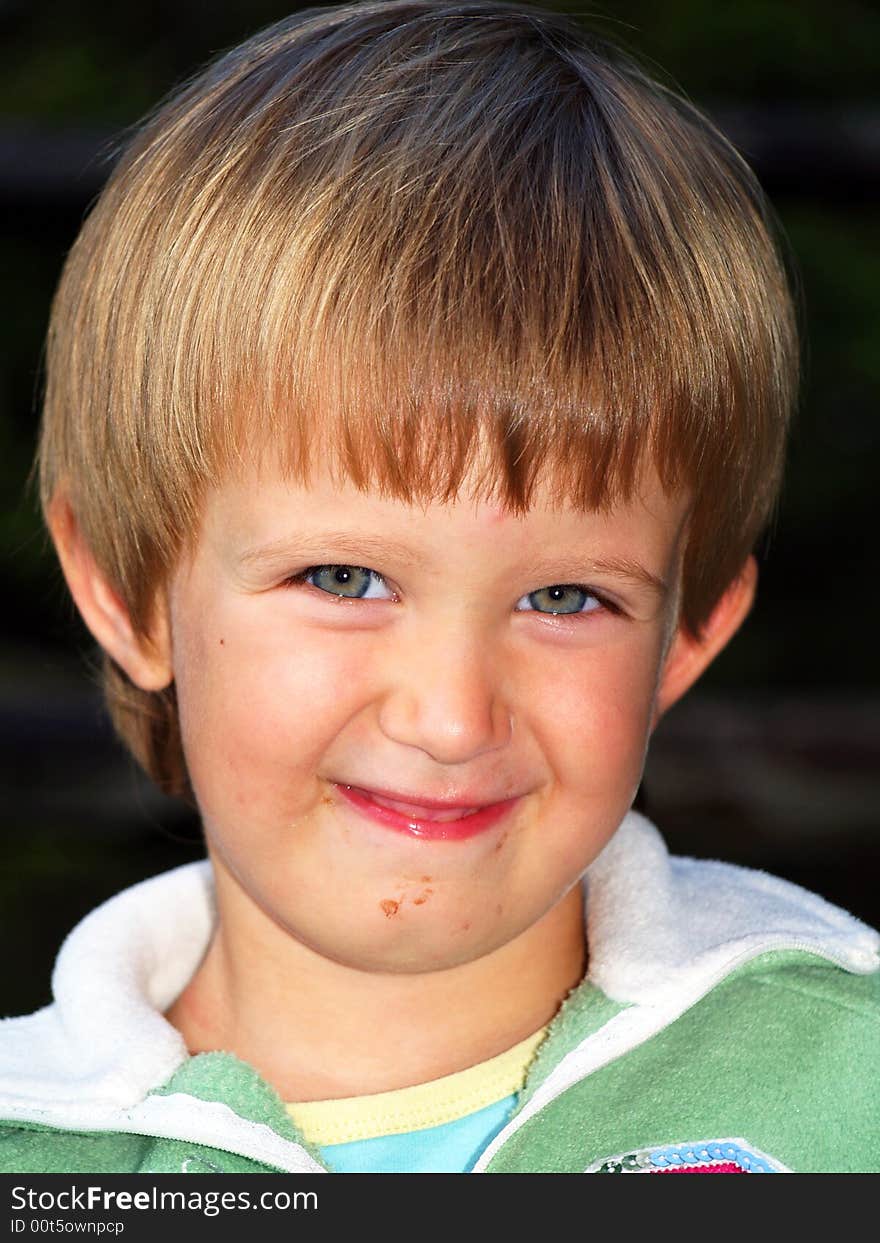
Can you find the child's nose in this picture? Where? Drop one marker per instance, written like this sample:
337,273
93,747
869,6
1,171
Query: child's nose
444,695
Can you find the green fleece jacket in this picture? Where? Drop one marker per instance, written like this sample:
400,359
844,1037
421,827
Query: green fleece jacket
729,1022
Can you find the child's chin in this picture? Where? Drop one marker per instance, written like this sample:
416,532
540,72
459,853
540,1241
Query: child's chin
414,951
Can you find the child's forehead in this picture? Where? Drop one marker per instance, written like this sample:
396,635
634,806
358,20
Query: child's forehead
264,510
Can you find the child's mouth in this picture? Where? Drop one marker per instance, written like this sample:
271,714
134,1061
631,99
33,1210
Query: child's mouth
438,822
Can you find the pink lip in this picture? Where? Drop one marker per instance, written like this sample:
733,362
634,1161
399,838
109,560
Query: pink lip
468,824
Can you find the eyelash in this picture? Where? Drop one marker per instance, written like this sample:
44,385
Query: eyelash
605,605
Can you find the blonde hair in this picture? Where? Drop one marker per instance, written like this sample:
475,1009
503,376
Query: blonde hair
400,232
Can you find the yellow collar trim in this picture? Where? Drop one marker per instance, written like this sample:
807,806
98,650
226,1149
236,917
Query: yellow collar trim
420,1106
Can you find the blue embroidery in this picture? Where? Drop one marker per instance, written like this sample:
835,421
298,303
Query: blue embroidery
698,1157
716,1151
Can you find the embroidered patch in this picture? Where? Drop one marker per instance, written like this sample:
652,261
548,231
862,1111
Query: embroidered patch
706,1156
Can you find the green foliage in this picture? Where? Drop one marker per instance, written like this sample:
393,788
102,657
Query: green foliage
756,50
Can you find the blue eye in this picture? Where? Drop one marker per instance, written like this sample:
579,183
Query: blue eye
563,598
350,582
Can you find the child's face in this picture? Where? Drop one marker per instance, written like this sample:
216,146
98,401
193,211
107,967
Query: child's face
448,678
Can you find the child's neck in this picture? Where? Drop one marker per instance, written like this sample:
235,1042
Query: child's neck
319,1030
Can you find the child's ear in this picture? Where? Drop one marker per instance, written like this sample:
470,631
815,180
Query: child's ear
688,657
148,664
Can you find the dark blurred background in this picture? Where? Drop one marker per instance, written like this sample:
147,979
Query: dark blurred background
773,760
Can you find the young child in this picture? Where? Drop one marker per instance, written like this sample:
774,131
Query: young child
417,393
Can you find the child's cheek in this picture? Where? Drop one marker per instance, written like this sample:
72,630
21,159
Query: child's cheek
599,708
262,702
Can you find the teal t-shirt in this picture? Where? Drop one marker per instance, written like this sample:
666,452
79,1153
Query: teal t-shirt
452,1148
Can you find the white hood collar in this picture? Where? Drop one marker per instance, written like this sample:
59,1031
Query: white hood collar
658,924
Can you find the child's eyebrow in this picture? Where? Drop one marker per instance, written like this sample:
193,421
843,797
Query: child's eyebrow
319,544
364,547
629,571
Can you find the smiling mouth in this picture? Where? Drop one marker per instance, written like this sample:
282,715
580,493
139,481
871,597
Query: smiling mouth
436,821
422,811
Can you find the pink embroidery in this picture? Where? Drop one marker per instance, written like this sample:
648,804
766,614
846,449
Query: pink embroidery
724,1167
